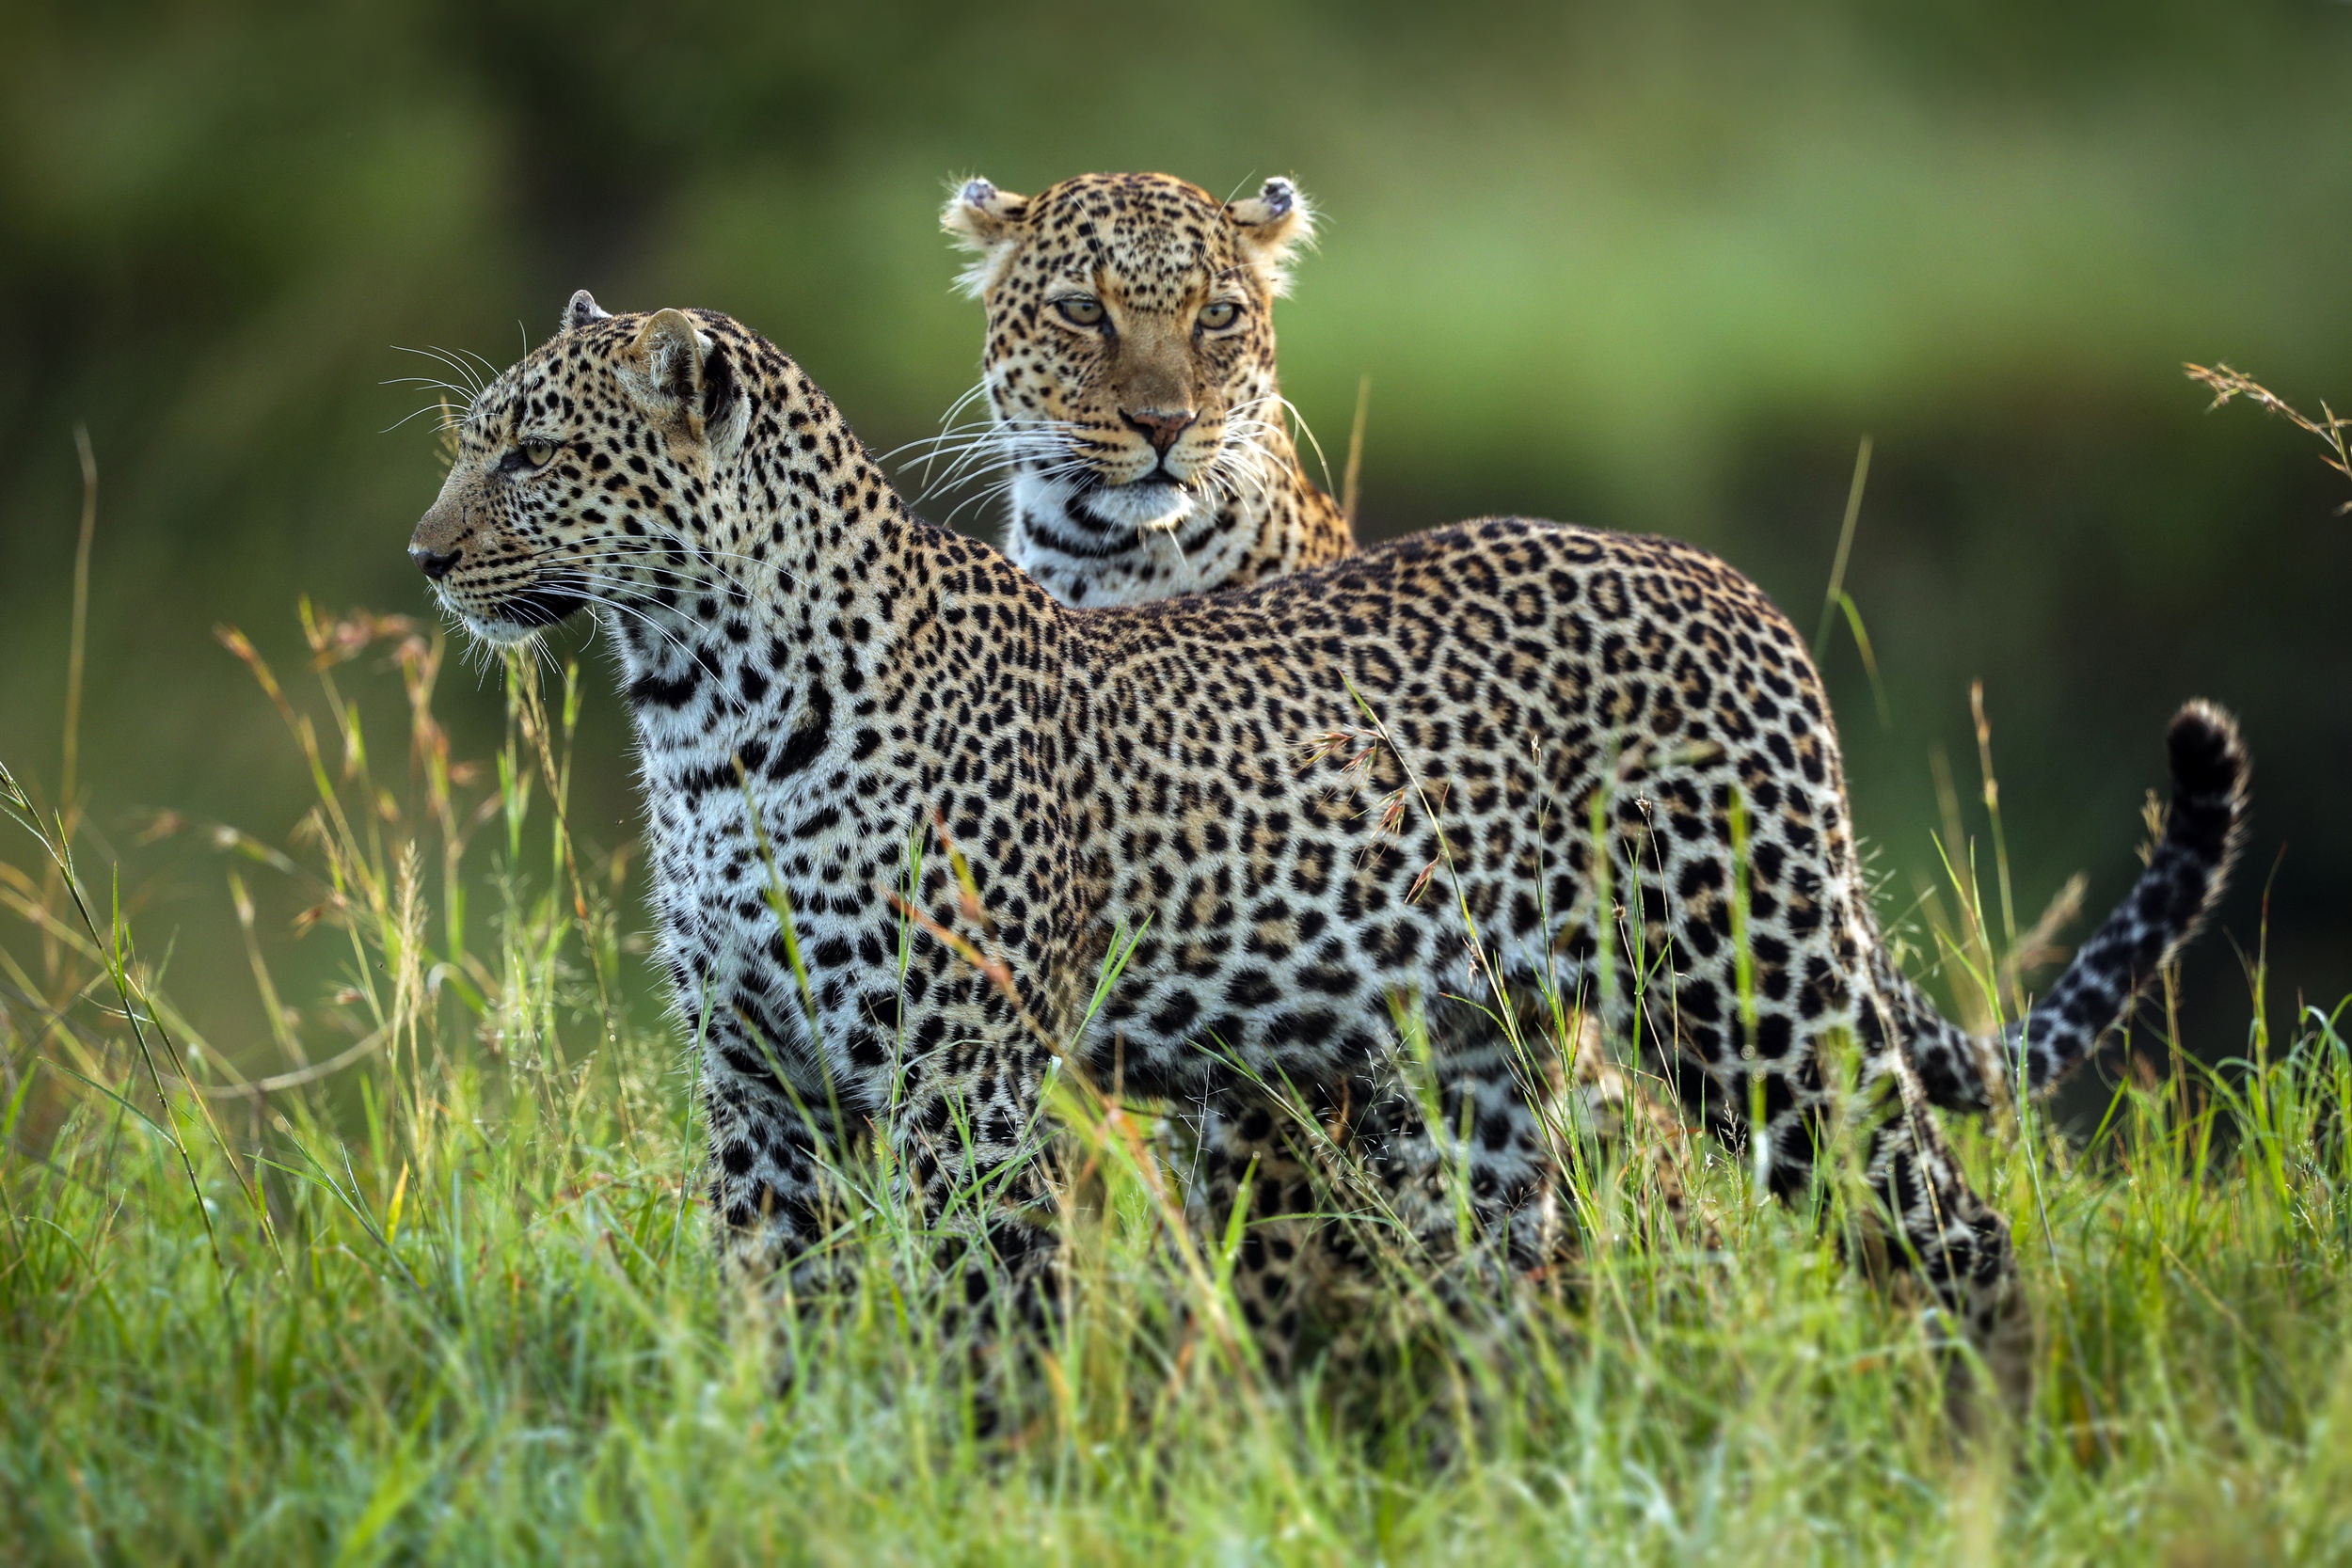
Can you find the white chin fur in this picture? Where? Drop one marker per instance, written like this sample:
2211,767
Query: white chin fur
1140,505
1149,507
499,634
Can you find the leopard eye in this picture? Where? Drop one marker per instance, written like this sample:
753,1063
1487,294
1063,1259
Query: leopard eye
539,453
1079,310
1221,315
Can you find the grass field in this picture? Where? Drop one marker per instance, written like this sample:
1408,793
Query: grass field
438,1287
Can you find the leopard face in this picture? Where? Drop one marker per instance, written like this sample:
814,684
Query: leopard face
1130,373
1131,317
557,501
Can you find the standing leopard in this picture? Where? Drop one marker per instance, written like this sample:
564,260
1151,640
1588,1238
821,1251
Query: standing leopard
1125,309
1129,373
817,679
1133,313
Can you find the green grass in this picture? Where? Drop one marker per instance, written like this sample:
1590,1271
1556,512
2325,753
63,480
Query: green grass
446,1294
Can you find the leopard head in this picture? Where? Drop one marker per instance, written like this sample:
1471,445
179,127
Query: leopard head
1129,332
583,472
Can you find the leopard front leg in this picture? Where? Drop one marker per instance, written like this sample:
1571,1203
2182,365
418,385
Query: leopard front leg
976,1167
774,1204
1249,1150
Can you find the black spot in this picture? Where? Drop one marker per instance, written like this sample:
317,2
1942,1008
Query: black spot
808,736
653,690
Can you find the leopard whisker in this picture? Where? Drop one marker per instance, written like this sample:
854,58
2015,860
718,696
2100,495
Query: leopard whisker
434,407
676,563
1002,485
602,595
994,452
704,552
1303,428
986,448
475,383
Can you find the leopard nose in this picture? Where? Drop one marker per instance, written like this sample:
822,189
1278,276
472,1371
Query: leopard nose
1160,426
430,563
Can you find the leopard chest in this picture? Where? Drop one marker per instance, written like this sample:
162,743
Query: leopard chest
746,834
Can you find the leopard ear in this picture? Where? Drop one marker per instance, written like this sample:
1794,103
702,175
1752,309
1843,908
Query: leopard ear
1269,225
663,369
581,309
988,222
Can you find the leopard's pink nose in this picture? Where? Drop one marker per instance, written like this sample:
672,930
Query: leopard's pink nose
1160,426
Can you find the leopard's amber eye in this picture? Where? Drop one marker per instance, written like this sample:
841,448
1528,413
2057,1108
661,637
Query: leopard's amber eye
538,453
1221,315
1079,310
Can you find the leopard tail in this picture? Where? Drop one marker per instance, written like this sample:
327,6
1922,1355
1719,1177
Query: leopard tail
2184,879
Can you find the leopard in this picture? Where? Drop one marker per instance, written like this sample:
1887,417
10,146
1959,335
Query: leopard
1135,422
1141,301
1151,840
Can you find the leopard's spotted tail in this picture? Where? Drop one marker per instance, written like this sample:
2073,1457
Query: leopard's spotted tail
2184,879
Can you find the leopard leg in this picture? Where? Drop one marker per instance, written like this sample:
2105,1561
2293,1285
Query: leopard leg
1636,1133
977,1161
1248,1149
1494,1102
1925,1220
1459,1161
1961,1251
1447,1169
1915,1217
1555,1110
767,1170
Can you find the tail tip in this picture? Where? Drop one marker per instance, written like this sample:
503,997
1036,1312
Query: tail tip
2209,758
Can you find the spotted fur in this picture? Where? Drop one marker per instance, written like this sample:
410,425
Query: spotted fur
1150,249
1152,245
817,678
1142,444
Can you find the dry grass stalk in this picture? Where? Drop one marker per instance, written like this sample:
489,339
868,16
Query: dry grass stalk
2329,427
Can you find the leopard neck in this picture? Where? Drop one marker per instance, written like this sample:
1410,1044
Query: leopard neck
752,633
1082,547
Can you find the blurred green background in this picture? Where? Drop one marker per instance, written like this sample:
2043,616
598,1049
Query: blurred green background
1655,267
